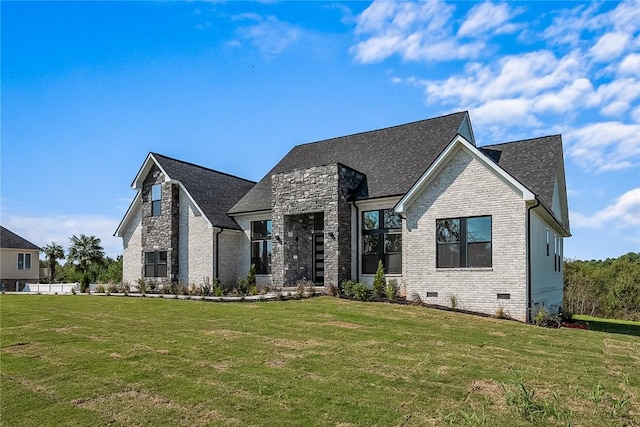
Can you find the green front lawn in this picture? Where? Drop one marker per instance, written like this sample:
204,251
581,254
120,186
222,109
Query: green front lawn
81,360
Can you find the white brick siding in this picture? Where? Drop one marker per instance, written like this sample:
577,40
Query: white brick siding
229,256
196,245
465,187
132,249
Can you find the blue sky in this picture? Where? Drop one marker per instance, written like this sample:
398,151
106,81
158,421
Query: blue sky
89,88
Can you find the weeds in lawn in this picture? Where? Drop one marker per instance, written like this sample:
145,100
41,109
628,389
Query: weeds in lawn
523,401
471,419
596,394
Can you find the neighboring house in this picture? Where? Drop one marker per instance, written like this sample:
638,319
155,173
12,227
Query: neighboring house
19,260
450,221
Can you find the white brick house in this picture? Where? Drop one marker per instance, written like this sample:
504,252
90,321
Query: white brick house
481,226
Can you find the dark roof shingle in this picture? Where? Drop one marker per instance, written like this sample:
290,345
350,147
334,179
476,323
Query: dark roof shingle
10,240
532,162
392,158
214,192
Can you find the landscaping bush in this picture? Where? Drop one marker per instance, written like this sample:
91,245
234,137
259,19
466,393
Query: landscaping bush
247,282
217,289
379,282
391,289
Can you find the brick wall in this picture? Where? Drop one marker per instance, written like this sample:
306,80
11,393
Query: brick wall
465,187
132,248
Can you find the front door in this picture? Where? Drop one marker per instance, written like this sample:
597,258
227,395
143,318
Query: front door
318,257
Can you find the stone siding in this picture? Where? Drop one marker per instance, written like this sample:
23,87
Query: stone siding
305,191
465,187
161,233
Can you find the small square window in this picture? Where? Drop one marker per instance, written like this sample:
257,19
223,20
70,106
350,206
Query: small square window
432,295
504,296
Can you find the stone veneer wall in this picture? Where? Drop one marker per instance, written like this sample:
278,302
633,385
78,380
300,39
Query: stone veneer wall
463,188
161,233
304,191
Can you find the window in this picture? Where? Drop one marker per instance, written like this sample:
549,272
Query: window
557,251
381,241
547,242
24,261
261,246
156,200
463,242
155,264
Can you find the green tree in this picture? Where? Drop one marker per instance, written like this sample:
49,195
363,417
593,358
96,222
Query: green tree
84,252
53,252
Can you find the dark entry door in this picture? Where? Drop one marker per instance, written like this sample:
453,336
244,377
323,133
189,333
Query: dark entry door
318,258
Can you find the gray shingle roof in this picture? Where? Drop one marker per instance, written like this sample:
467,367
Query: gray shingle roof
392,158
532,162
215,192
10,240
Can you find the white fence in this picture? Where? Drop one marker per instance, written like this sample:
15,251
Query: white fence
51,288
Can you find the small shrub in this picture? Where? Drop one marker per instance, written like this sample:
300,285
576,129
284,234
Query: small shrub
415,299
152,286
253,290
454,301
566,316
300,289
217,289
546,319
125,288
379,281
360,291
183,290
501,313
142,286
333,290
346,288
85,286
100,289
112,288
391,289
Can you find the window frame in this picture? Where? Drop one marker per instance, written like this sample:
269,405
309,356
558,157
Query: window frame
463,242
156,264
156,203
20,261
262,241
378,239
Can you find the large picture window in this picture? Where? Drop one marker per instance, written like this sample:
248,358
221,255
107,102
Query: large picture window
155,264
156,200
261,246
381,241
463,242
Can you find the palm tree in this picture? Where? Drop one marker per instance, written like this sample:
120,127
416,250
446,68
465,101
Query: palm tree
53,252
85,251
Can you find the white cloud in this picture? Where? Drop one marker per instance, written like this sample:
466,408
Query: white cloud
269,35
624,212
59,228
610,46
604,146
630,65
414,31
486,18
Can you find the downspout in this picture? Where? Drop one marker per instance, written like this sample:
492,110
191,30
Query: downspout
357,241
529,258
217,275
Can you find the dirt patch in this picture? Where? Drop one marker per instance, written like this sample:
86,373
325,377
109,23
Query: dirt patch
497,334
218,366
162,351
491,389
115,356
130,406
345,325
34,387
276,363
293,344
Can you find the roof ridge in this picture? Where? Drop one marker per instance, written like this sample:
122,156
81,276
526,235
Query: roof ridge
201,167
520,140
381,129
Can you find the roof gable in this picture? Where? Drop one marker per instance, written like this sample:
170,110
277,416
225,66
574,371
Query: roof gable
211,191
10,240
391,158
538,163
459,142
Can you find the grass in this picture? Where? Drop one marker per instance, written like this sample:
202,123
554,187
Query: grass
615,326
80,361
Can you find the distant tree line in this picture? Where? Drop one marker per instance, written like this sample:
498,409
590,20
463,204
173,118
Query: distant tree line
85,262
609,288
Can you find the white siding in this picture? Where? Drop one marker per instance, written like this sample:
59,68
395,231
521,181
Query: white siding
466,187
546,283
132,249
196,245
